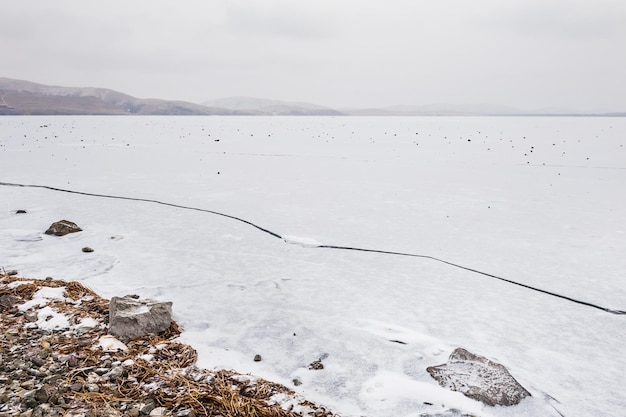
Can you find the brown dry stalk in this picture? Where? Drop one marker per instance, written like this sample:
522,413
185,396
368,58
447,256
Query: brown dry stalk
175,382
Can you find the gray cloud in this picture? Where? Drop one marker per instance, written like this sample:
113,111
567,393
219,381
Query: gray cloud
529,54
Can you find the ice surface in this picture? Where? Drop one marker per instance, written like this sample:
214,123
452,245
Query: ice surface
536,200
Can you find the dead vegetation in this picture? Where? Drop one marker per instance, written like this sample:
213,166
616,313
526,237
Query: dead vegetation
67,372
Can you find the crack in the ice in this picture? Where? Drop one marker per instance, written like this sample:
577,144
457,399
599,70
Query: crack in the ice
308,244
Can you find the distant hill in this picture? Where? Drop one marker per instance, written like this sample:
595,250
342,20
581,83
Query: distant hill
265,106
25,97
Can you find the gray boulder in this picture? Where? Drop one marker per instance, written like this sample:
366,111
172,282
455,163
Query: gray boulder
478,378
131,317
62,228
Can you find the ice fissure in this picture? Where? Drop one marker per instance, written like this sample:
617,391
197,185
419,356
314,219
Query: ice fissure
316,245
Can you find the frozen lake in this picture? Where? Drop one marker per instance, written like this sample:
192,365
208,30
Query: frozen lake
539,201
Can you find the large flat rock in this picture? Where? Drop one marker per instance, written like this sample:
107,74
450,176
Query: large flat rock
478,378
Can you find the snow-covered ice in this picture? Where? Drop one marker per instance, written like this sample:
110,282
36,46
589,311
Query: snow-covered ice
536,200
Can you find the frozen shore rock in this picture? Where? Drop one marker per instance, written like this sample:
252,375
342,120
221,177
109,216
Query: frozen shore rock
62,228
131,317
478,378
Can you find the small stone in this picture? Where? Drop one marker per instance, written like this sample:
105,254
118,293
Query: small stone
36,360
87,249
77,387
84,343
257,358
41,410
49,279
297,382
187,412
12,272
101,371
31,316
42,395
92,387
30,384
36,372
148,407
29,401
93,378
21,211
133,412
8,300
316,365
115,373
159,411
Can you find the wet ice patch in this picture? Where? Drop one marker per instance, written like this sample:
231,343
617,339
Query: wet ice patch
405,336
305,242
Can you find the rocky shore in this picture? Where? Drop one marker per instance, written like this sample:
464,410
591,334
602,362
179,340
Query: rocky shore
57,359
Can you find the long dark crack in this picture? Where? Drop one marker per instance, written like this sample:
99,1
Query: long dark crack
348,248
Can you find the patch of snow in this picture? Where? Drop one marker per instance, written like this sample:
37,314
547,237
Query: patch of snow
109,343
42,296
16,284
130,312
385,389
50,319
88,323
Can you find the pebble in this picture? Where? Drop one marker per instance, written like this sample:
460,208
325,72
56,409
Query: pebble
257,358
30,316
159,411
115,373
148,407
92,387
87,249
42,395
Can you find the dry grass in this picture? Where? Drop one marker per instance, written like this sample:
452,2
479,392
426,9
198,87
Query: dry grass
170,378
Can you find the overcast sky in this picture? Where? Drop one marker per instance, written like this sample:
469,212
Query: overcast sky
524,53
